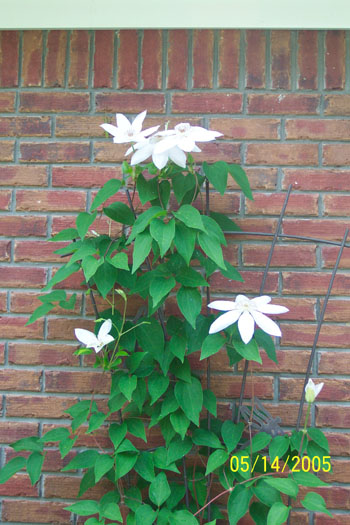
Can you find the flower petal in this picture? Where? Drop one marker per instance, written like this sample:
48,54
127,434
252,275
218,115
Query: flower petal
178,156
246,327
224,321
222,305
107,339
105,328
141,154
86,337
262,299
138,121
272,309
122,122
186,144
318,388
112,130
149,131
160,159
266,324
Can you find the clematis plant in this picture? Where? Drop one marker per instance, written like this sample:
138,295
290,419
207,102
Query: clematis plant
312,391
90,340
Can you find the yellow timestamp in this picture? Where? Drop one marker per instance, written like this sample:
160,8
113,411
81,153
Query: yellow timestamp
294,463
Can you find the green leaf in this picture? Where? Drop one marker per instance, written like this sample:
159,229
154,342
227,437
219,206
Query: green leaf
278,447
231,434
120,212
180,423
111,187
265,493
190,277
62,273
105,278
56,434
144,220
66,446
11,468
144,466
136,428
177,493
84,507
68,234
278,514
85,459
318,437
177,346
217,175
70,304
117,433
159,490
214,230
211,345
307,479
284,485
211,246
189,301
124,463
226,224
209,401
90,266
55,295
127,385
178,448
183,184
190,216
183,517
190,398
260,441
103,464
160,287
120,260
231,273
142,247
215,460
238,503
157,385
145,515
185,240
241,179
30,443
111,511
41,311
150,336
34,465
315,502
93,521
258,512
83,222
87,481
95,421
265,341
163,233
147,189
87,248
249,351
206,438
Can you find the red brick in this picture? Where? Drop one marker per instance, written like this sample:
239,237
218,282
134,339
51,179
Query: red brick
259,179
37,251
104,59
315,283
338,519
318,129
25,127
335,60
16,380
23,176
89,126
177,59
21,277
207,102
255,59
336,363
5,199
84,177
229,49
203,43
22,226
327,229
64,328
12,431
333,390
337,310
130,102
307,59
337,105
336,205
280,54
229,386
151,65
317,179
55,152
284,154
20,486
79,57
32,56
7,102
252,281
335,497
38,406
247,129
42,354
46,102
289,103
289,361
109,152
55,59
40,200
340,472
333,416
212,151
283,255
6,150
9,58
330,254
338,443
35,511
67,487
3,308
14,328
128,59
271,204
336,154
77,382
27,302
332,335
74,281
253,225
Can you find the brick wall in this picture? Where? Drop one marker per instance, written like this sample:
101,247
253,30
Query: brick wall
282,100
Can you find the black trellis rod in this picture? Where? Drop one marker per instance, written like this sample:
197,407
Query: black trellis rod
299,237
207,212
262,286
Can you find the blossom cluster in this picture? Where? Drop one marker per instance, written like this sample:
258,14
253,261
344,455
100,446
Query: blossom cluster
170,144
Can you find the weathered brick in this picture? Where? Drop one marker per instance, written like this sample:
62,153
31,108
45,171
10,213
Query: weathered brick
255,59
229,386
109,152
337,105
229,49
87,126
79,57
55,152
177,59
318,129
337,310
15,380
3,309
282,154
332,416
27,302
252,281
37,251
64,328
25,127
83,177
307,59
19,486
41,200
334,363
285,104
333,389
330,254
32,56
280,54
247,129
226,151
283,255
338,443
42,354
103,59
151,65
338,519
208,102
51,102
336,154
6,150
315,283
302,334
271,204
55,59
130,102
38,406
35,511
22,226
22,277
9,41
336,205
203,42
7,102
12,431
77,382
322,180
128,59
23,176
67,487
335,60
259,178
289,361
5,199
15,328
321,229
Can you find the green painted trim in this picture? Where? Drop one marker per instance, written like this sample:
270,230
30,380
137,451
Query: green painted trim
120,14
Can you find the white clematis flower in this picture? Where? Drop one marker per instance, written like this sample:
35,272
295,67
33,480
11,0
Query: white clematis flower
185,136
312,391
90,340
147,148
247,312
125,131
